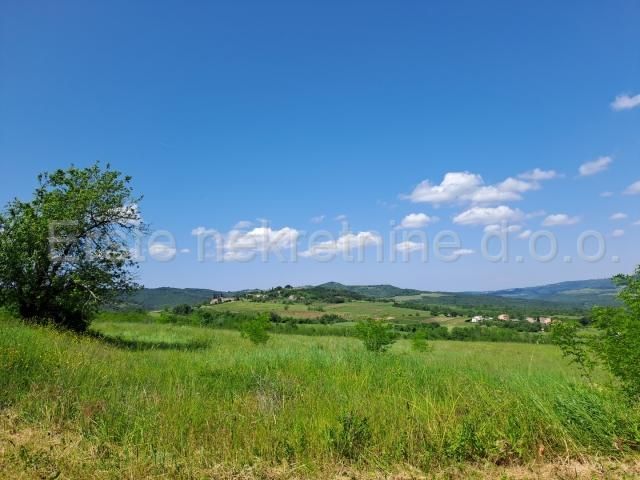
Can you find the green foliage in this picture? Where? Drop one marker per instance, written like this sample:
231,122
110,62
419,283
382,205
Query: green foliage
376,336
162,297
65,253
419,342
182,309
351,437
256,329
617,343
574,345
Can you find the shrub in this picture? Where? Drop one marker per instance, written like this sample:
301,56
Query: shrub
617,345
419,342
256,329
376,336
182,309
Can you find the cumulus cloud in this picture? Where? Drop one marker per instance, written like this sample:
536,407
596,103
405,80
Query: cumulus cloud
625,102
343,243
243,225
453,187
409,246
617,233
240,244
560,219
619,216
461,187
538,174
525,235
593,167
262,239
416,220
633,189
488,216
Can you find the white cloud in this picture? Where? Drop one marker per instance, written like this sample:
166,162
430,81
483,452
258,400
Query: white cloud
617,233
409,246
344,243
416,220
243,225
185,250
633,189
496,228
560,219
453,187
458,187
606,194
619,216
488,216
595,166
625,102
317,219
341,218
462,252
538,174
162,251
262,239
525,235
637,223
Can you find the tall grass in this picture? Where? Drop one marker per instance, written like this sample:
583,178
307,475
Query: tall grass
167,398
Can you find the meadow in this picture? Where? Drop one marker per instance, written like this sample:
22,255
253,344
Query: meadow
350,311
148,400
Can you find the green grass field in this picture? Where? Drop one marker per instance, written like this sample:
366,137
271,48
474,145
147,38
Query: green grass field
351,311
147,400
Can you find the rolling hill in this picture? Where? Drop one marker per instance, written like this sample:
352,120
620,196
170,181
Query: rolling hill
574,294
580,292
159,298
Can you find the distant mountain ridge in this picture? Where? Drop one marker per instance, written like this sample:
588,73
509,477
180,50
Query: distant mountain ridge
580,293
586,292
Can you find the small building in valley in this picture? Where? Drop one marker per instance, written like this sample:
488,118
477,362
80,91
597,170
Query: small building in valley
504,317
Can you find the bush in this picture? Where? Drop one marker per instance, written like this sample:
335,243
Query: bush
617,345
376,336
256,329
182,309
419,342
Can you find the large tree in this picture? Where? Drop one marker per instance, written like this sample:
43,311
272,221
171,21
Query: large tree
68,250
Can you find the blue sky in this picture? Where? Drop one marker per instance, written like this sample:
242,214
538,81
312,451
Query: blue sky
291,111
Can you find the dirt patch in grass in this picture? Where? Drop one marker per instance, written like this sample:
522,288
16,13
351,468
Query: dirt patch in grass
28,452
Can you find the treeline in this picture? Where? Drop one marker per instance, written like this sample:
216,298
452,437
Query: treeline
329,325
308,295
467,307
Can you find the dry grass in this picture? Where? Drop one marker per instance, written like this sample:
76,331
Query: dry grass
31,453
